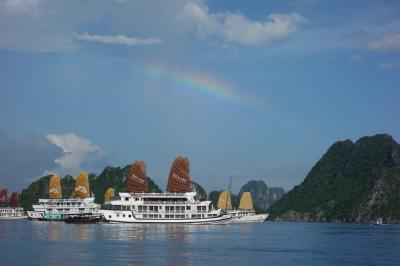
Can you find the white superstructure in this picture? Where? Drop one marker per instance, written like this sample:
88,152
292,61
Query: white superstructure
60,209
11,213
163,208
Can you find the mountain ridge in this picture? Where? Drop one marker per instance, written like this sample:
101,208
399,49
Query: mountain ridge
352,182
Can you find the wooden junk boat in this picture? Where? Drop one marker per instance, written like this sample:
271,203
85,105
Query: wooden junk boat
178,205
10,210
56,208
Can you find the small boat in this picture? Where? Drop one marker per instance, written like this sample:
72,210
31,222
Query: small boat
245,213
58,209
178,205
10,210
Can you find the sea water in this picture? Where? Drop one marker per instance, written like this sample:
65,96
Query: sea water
270,243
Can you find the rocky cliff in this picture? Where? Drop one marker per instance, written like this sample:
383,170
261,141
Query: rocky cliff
352,182
262,195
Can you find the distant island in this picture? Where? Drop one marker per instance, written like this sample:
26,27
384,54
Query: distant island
352,182
116,177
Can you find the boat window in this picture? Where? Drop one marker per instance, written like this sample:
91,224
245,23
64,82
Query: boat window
129,216
126,199
117,215
188,208
123,215
109,216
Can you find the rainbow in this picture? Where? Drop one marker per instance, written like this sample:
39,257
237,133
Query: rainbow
199,83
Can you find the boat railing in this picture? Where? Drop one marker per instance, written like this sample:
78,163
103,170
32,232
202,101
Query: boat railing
167,203
167,194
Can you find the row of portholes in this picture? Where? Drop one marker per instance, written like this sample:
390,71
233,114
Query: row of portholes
123,215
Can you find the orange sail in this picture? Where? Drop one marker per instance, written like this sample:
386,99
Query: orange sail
246,202
82,186
137,179
14,200
224,201
179,179
3,196
55,188
110,193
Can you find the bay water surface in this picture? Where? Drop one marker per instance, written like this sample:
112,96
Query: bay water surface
271,243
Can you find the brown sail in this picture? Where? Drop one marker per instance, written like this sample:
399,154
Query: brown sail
82,186
224,201
246,202
137,179
14,200
110,193
3,196
179,179
55,188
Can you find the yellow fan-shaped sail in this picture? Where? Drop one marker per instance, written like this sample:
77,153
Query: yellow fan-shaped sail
110,193
82,186
246,203
224,201
55,188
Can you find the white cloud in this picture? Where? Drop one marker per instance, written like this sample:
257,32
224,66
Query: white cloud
390,66
76,152
118,39
22,6
390,42
234,27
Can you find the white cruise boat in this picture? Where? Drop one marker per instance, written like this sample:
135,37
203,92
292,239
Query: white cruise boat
12,211
162,208
176,206
245,213
58,209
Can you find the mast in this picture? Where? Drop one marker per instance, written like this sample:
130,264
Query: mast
227,194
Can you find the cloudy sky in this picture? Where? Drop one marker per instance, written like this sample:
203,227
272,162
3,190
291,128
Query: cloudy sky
254,90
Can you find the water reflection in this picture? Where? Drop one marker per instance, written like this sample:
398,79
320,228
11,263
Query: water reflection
54,230
273,243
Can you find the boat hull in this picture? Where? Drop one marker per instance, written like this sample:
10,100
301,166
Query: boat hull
128,217
82,220
257,218
14,218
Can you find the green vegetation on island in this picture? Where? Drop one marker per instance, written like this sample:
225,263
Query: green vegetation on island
352,182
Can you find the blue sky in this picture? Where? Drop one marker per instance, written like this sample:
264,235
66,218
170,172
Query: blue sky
254,90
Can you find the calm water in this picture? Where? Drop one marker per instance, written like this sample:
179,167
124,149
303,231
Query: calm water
272,243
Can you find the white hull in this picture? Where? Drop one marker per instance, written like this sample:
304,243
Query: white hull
257,218
12,213
13,218
112,216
